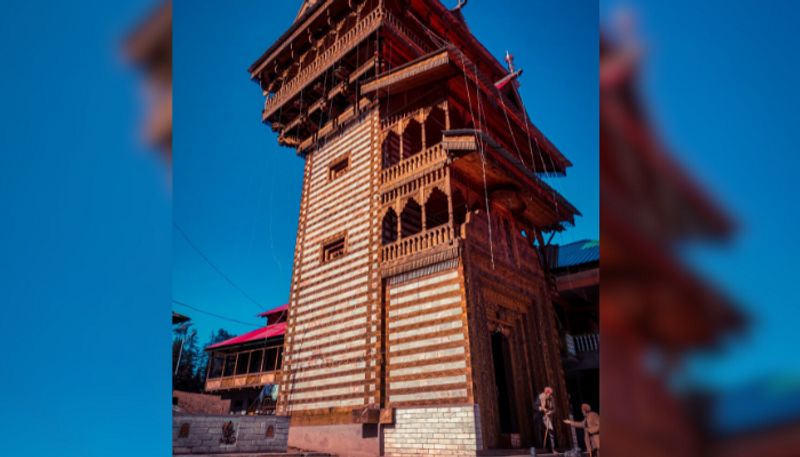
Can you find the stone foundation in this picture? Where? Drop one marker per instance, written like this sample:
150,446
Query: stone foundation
351,440
436,431
203,434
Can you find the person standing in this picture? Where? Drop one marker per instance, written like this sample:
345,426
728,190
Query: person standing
546,406
591,429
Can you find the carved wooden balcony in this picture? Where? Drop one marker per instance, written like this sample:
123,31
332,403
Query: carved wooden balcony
336,51
407,168
415,244
402,188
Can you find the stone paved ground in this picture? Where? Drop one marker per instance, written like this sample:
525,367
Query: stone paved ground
290,453
520,453
300,453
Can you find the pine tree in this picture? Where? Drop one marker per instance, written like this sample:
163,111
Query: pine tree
186,355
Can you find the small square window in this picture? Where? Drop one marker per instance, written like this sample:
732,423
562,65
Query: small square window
338,167
333,248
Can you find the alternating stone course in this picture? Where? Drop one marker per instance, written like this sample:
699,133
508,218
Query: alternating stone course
218,434
442,431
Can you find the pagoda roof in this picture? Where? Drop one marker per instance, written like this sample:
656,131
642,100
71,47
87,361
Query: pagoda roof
622,112
441,20
519,188
446,63
308,9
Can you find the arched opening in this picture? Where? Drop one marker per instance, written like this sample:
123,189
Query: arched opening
184,430
436,212
434,126
411,219
460,210
389,227
391,149
412,139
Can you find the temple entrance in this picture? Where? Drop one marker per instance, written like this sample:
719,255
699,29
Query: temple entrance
504,380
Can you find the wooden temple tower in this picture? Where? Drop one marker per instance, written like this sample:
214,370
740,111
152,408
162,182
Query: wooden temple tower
420,315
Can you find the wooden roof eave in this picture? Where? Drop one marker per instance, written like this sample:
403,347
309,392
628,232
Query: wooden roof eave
631,258
538,197
289,36
431,67
151,35
715,221
454,25
457,26
559,163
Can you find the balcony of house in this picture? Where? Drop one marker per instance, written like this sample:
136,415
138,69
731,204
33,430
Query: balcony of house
243,369
581,352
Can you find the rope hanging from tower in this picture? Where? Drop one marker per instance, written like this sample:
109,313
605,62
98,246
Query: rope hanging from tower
480,149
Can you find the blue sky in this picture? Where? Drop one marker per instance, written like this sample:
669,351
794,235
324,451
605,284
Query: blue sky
84,240
237,192
722,90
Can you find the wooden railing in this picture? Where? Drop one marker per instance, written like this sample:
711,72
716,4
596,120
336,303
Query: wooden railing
409,166
417,243
579,344
336,51
242,380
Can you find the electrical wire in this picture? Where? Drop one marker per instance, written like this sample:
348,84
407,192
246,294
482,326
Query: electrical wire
218,316
215,267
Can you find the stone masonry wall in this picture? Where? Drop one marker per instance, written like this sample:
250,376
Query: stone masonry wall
202,434
194,403
440,431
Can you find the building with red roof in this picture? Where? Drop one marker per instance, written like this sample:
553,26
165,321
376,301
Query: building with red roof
244,369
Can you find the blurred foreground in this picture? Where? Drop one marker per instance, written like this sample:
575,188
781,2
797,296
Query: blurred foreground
656,312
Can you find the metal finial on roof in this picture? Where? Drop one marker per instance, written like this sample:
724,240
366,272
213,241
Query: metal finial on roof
510,61
461,4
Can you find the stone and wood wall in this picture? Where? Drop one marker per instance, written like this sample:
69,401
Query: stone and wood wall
400,290
330,348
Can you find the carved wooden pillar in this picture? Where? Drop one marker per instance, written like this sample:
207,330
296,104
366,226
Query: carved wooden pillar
402,130
422,132
399,221
449,191
423,222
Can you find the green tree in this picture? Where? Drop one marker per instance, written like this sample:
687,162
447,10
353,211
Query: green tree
185,360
